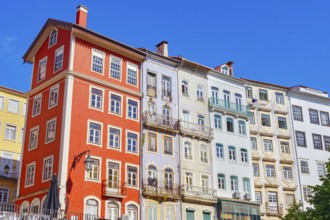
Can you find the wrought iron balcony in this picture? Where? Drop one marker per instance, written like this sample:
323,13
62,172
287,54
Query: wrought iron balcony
196,130
160,121
199,195
222,105
114,189
9,168
166,192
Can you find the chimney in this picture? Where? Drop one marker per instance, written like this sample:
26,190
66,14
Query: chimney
162,48
81,16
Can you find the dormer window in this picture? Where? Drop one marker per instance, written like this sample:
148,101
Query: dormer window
225,70
53,38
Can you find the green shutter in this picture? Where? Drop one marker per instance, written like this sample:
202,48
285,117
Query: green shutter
190,215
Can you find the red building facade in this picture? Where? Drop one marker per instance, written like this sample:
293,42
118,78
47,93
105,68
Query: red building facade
84,101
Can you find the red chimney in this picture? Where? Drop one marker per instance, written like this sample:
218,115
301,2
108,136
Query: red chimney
81,17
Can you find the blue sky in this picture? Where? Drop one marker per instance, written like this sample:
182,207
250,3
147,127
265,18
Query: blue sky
284,42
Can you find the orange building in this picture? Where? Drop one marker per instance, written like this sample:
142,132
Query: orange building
84,102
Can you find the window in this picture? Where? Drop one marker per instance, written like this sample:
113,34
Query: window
200,122
112,211
187,150
265,120
58,59
184,87
199,92
203,154
132,109
217,121
234,183
321,168
268,145
115,104
326,142
36,108
21,136
169,212
47,168
270,170
241,128
168,178
263,95
219,151
230,124
189,181
314,116
53,96
91,209
34,133
152,211
232,153
51,129
132,212
304,166
287,173
94,173
221,181
325,118
317,141
285,148
115,67
307,193
132,176
94,133
297,113
272,202
4,195
42,69
301,140
2,101
225,70
30,172
255,169
152,142
279,98
166,115
96,98
151,85
282,123
253,142
248,92
23,110
152,175
114,138
252,118
13,106
258,197
97,60
168,148
246,185
52,38
132,142
226,98
244,156
238,98
166,88
10,132
289,200
131,74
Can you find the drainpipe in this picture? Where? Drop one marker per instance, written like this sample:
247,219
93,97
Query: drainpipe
296,154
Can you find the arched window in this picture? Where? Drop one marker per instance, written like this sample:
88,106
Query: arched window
35,206
152,175
132,212
25,207
225,70
166,115
168,178
112,211
217,121
91,208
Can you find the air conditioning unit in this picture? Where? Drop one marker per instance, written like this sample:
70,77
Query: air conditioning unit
124,217
247,196
237,195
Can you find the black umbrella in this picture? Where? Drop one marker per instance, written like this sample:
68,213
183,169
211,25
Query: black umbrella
52,201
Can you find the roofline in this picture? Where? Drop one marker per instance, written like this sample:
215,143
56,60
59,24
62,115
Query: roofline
157,54
306,87
267,84
12,91
309,95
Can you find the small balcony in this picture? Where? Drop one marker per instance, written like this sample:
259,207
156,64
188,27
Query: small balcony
159,121
196,130
170,192
9,168
229,107
114,189
199,195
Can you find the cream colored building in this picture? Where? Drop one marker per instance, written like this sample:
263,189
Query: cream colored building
272,148
12,116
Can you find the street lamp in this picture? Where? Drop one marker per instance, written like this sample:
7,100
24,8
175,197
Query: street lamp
88,162
6,169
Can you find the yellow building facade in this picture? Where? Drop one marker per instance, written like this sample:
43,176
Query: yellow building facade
12,118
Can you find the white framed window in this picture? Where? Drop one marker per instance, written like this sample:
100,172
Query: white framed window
152,142
285,147
307,193
53,96
169,212
252,118
34,134
52,38
58,59
282,123
253,142
234,183
221,181
217,121
114,137
47,171
132,74
51,130
326,142
325,118
166,88
241,127
184,87
289,200
94,133
97,60
10,132
256,169
263,95
321,168
248,92
115,67
21,135
24,109
132,212
265,120
168,145
297,113
270,170
132,142
232,153
244,156
42,69
115,104
188,154
4,194
268,145
132,109
287,172
132,176
30,174
152,211
219,150
203,154
230,124
36,107
304,167
225,70
246,185
96,98
2,102
258,197
279,98
94,173
13,106
91,209
199,91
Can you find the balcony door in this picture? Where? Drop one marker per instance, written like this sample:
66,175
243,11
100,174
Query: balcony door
226,97
189,181
205,183
112,211
185,119
168,179
272,202
113,177
215,95
166,115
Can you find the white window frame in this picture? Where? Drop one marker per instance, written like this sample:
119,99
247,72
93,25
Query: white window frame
232,153
137,142
29,184
120,104
270,170
2,103
96,96
200,93
58,52
279,96
137,109
304,168
99,54
50,43
137,179
99,170
98,207
53,92
34,131
112,57
53,120
43,69
185,87
244,156
268,145
119,140
219,151
12,128
4,190
171,145
307,192
134,68
88,133
15,101
287,172
241,127
37,105
254,143
323,170
150,147
285,147
45,159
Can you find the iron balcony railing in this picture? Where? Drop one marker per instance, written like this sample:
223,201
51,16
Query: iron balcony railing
229,106
198,192
9,168
195,130
114,189
152,188
160,121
